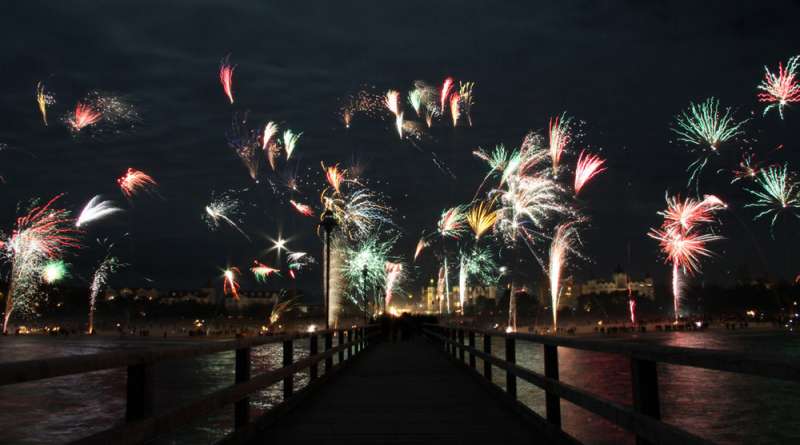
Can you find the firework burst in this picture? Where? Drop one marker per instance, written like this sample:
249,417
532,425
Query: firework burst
43,99
465,92
748,169
245,144
224,208
226,76
455,111
135,181
394,271
83,117
290,140
421,245
444,93
302,209
96,209
54,271
107,266
261,271
562,244
44,233
780,89
230,286
415,99
481,218
589,166
451,223
559,138
776,193
393,101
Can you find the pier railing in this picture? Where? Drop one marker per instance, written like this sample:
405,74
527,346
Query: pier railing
643,418
142,423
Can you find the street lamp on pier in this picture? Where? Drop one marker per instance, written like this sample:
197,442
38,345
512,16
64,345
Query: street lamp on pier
327,222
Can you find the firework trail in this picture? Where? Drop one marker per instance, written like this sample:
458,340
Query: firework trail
44,233
421,245
290,140
415,99
302,209
462,283
226,76
481,218
776,193
83,117
296,261
134,181
559,138
262,271
230,286
43,99
440,288
268,145
393,101
246,145
430,113
398,123
393,273
631,303
781,89
335,177
588,167
107,266
560,247
444,94
363,102
465,91
224,208
279,309
479,263
451,223
706,128
54,271
455,111
94,210
680,238
749,168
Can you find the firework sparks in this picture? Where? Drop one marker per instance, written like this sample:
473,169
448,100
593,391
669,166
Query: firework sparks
393,273
481,218
748,168
302,209
44,233
559,138
776,193
465,92
96,209
43,99
279,309
134,181
290,140
262,271
107,266
230,286
224,208
365,266
703,125
54,271
589,166
393,101
270,130
444,94
335,177
455,111
415,99
780,89
296,261
680,238
364,101
245,143
83,117
421,245
560,247
451,223
226,76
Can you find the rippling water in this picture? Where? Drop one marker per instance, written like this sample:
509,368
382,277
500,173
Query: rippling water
719,406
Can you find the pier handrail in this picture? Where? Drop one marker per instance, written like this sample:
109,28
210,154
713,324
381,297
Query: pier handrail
644,417
142,423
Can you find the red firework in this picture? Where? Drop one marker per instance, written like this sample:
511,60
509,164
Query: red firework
781,89
226,76
134,180
47,230
447,87
588,167
83,117
690,212
303,209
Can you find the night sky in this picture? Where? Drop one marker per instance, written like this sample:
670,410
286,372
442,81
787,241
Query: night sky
623,68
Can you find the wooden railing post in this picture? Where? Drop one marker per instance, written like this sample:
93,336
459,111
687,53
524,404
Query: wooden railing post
472,345
140,392
511,358
340,334
350,343
288,357
552,401
644,378
313,349
461,343
328,347
487,348
241,410
453,337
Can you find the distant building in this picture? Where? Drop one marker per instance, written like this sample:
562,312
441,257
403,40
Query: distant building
132,293
619,283
196,296
431,300
252,298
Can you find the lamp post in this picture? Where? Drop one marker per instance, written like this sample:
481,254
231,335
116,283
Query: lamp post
364,272
327,222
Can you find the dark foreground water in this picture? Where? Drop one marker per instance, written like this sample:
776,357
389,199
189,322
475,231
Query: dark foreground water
719,406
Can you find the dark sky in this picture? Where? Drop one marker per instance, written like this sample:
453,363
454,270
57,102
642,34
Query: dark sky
625,68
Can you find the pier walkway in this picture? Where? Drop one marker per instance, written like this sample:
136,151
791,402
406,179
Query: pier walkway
403,392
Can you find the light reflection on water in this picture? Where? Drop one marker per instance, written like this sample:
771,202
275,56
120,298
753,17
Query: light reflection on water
722,407
719,406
